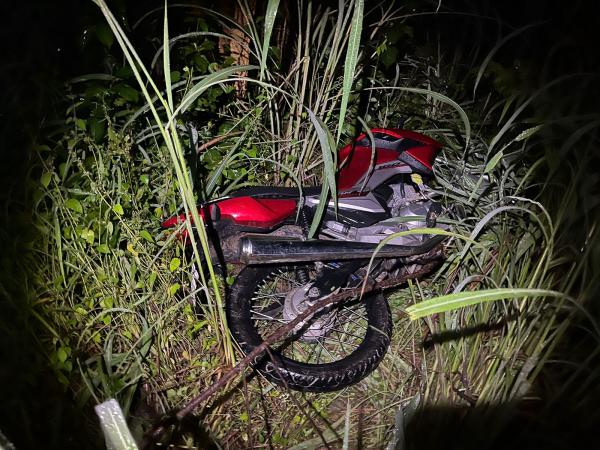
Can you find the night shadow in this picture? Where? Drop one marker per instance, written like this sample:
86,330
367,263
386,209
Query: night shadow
524,425
452,335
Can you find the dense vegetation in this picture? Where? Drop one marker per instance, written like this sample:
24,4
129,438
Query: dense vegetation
208,106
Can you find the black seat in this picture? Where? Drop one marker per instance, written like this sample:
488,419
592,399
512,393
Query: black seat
276,191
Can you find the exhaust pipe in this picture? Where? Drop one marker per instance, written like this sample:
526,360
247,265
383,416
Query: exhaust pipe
260,249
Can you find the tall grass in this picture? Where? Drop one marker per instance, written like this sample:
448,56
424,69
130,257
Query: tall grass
110,281
168,130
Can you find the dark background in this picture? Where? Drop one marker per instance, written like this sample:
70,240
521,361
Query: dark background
42,46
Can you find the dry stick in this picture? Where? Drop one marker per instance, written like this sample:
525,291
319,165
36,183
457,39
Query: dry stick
258,350
155,433
298,405
247,406
216,140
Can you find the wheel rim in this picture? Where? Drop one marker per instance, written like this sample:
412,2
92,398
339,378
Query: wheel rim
347,322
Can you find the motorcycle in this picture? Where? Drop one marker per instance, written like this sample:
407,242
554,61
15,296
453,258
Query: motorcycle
263,230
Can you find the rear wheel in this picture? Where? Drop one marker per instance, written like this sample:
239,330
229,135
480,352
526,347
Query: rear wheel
337,347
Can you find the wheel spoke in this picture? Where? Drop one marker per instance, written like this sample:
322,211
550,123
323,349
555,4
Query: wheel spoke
346,333
267,318
326,351
275,295
351,314
289,280
340,331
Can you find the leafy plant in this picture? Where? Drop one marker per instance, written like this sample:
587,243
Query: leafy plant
118,296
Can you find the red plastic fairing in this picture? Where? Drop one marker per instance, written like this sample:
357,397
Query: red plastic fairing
359,163
424,154
258,213
247,211
176,220
354,168
405,134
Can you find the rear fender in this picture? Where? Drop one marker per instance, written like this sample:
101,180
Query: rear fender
259,215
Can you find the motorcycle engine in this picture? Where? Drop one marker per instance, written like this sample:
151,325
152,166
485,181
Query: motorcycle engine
409,208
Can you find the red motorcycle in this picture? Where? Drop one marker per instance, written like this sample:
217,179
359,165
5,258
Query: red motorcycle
264,229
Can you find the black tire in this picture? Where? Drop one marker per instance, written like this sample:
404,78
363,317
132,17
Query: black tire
309,376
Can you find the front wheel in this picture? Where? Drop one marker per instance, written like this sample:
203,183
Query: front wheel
339,346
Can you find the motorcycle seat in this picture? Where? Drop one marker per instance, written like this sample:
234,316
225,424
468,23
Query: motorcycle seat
276,191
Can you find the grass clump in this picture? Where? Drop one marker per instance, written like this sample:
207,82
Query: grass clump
115,294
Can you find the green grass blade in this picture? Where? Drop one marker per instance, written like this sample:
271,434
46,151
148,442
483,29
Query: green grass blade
350,63
319,211
328,148
270,16
167,59
373,152
522,108
451,302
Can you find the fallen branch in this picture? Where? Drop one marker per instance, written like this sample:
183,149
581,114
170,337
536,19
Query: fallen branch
337,297
216,140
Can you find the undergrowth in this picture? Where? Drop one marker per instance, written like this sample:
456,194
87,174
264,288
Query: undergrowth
117,295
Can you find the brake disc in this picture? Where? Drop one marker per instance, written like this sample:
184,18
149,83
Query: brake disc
296,302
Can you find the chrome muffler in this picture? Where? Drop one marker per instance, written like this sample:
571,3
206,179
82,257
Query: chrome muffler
261,249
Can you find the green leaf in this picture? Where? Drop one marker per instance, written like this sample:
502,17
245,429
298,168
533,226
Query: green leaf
104,35
45,179
128,93
81,124
62,354
118,209
74,205
147,236
97,129
174,265
151,280
107,303
167,59
457,300
390,56
103,248
173,289
88,236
